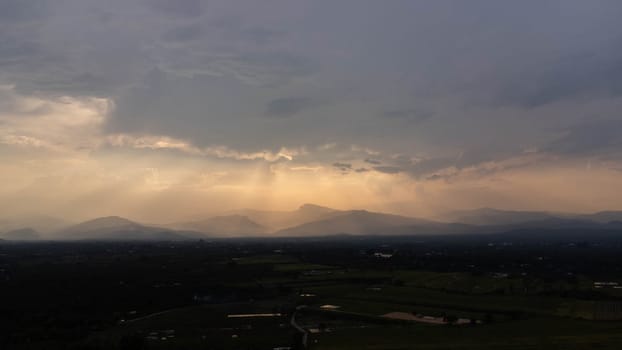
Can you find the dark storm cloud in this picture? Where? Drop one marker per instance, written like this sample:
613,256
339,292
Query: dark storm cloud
471,158
77,84
14,51
268,68
204,109
288,106
183,33
434,168
435,177
432,165
479,81
344,167
388,169
183,8
599,137
261,35
584,75
19,10
408,115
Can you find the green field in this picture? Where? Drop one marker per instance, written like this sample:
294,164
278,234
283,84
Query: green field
499,312
541,333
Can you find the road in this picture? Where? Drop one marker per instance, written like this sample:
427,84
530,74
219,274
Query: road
305,334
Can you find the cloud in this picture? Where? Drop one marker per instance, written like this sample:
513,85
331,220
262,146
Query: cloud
441,91
275,68
13,50
16,10
409,115
343,167
388,169
182,8
435,177
59,124
595,138
580,75
21,140
152,142
260,35
183,33
288,106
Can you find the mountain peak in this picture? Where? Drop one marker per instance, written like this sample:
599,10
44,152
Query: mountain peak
228,225
117,228
24,234
106,222
110,220
315,208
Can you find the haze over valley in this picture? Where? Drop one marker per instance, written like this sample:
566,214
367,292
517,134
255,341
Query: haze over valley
311,220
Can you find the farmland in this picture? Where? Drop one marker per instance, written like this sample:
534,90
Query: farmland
318,293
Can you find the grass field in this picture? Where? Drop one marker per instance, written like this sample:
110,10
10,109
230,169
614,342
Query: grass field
299,267
508,315
543,333
434,298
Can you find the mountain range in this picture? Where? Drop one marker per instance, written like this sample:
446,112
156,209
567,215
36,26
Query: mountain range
226,225
314,220
489,216
118,228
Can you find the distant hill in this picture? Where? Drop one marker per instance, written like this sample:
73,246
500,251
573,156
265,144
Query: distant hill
489,216
24,234
314,220
477,222
307,220
496,217
39,223
588,232
602,216
229,225
358,222
103,223
118,228
277,220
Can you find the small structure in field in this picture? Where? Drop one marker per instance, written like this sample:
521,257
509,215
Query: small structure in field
330,307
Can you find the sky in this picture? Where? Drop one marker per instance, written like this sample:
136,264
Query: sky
161,110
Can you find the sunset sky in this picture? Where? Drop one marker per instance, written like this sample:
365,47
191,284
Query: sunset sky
161,110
